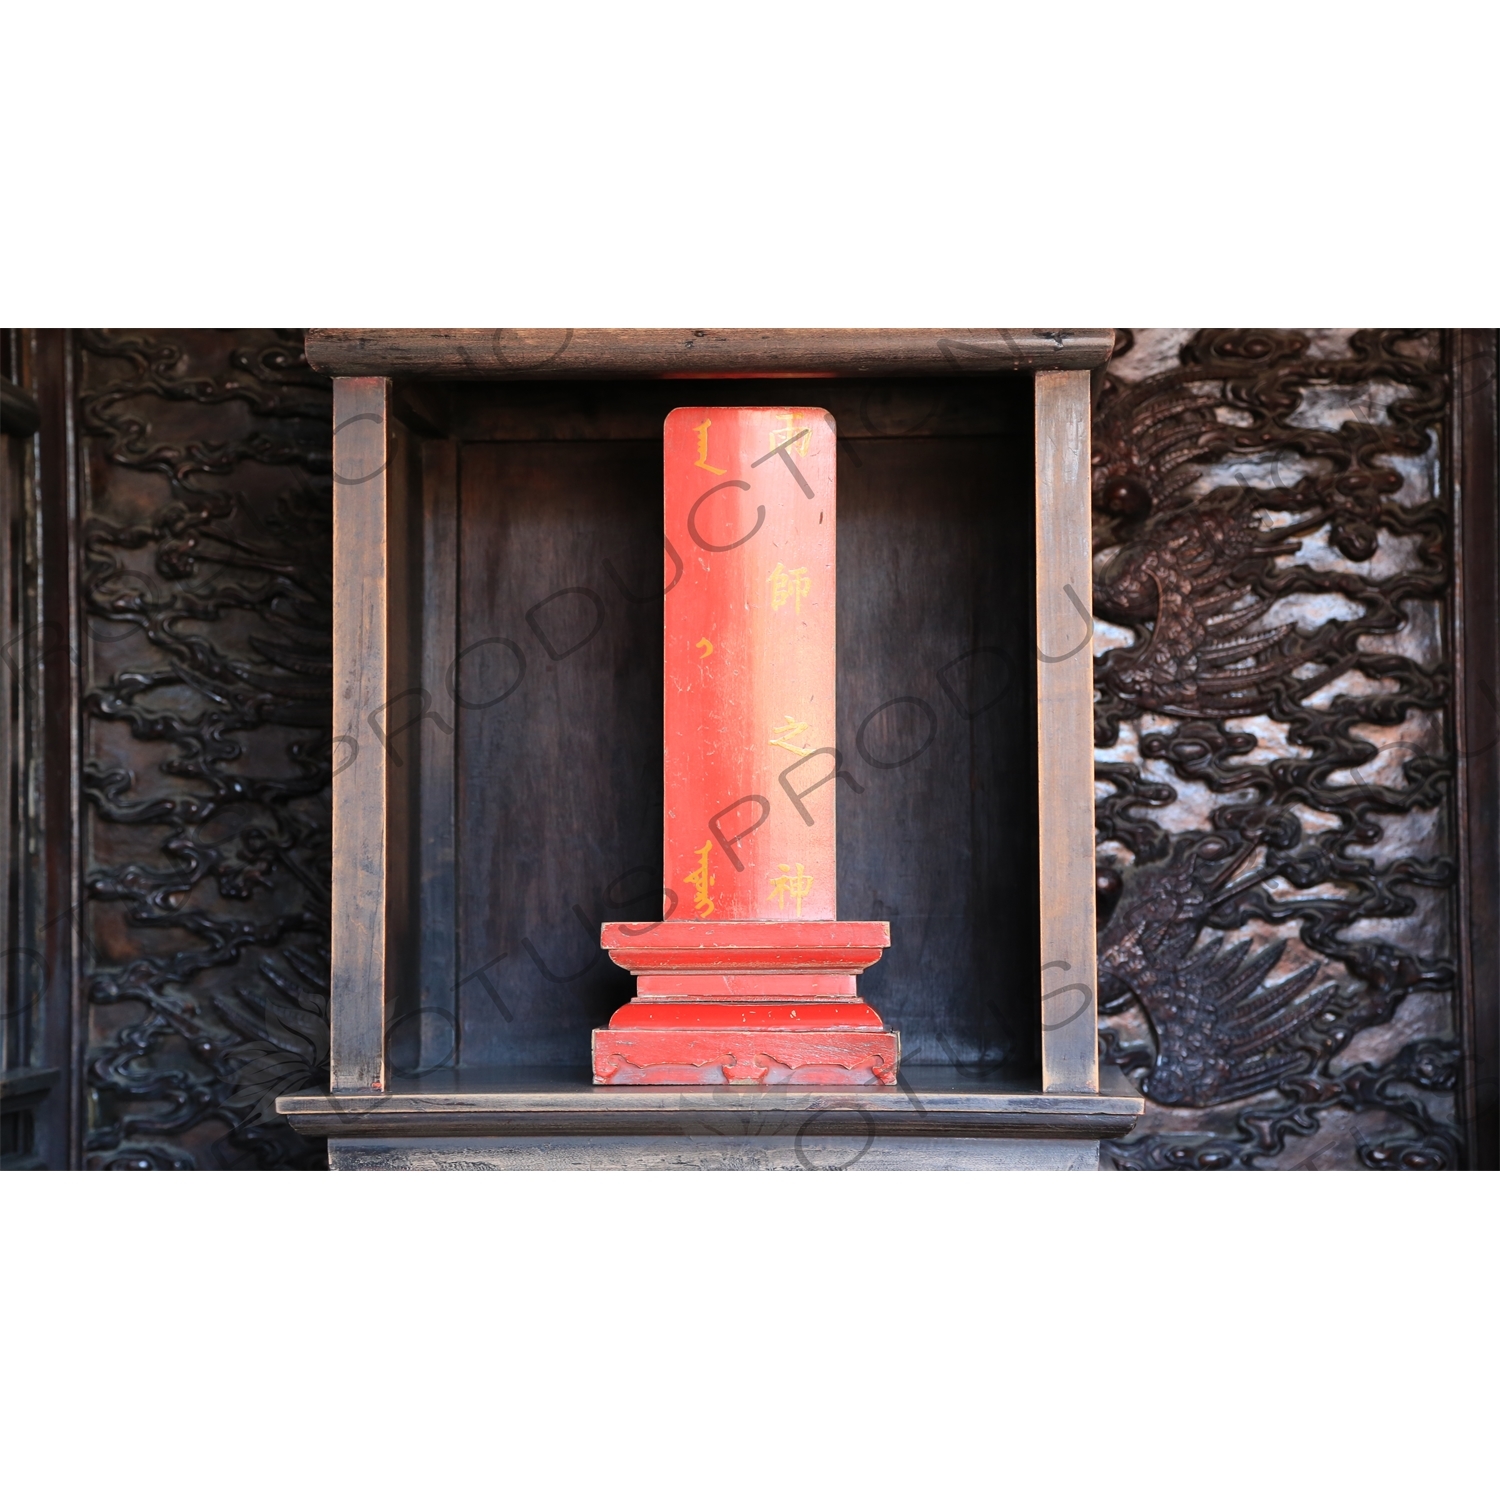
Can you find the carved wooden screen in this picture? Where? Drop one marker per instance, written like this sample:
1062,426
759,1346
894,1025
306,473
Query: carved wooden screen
205,557
1274,548
1277,823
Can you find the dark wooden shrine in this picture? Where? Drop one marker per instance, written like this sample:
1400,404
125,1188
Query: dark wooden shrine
498,768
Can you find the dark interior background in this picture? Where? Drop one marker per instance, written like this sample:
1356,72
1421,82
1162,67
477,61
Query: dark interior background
559,783
937,722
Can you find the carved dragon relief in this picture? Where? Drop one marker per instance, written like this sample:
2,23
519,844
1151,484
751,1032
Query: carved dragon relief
1271,558
205,576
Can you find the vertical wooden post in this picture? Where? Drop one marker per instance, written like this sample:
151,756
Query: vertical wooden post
15,1051
436,874
361,597
1065,733
1476,708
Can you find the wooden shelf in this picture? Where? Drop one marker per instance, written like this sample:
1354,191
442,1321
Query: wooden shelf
929,1102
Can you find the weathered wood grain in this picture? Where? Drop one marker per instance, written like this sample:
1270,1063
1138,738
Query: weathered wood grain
361,426
856,1153
1065,733
930,1102
644,353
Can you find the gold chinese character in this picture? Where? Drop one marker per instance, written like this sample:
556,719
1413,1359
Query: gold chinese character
785,434
786,884
702,430
789,586
784,733
700,880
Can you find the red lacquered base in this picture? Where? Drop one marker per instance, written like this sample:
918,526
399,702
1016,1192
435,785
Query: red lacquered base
813,1058
746,1003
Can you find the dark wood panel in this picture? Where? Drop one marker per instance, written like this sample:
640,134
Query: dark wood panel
602,353
570,411
559,739
937,721
433,741
406,747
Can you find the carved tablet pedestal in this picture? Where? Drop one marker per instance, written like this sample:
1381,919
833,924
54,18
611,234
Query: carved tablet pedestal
749,824
747,1002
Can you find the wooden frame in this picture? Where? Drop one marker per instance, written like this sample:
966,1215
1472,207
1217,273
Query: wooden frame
380,883
1473,462
44,1077
367,504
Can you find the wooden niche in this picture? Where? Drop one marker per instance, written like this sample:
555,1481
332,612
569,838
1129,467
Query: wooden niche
498,620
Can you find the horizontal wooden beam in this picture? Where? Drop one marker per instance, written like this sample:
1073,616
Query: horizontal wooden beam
665,353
